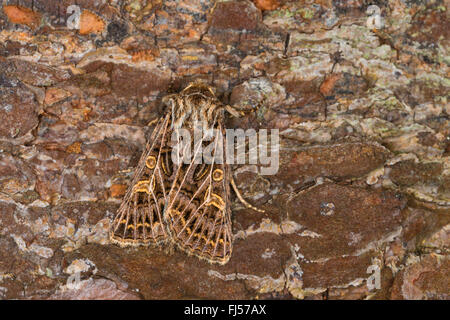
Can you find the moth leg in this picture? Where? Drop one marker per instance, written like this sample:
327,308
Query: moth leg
241,199
235,113
152,122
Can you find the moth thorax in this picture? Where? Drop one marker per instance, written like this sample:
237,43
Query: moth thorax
191,111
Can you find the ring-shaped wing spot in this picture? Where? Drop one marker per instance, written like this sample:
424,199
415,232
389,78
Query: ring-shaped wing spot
217,175
150,162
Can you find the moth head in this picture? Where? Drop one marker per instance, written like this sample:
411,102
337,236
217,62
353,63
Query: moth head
195,103
199,88
196,90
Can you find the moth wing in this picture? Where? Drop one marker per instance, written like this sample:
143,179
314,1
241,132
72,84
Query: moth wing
139,220
198,212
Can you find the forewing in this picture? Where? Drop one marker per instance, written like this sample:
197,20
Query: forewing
198,213
139,220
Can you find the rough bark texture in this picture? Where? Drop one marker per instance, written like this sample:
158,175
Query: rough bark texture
363,115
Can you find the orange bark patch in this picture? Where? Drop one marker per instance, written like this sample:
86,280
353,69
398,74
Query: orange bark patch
53,95
328,85
22,15
143,55
74,147
193,34
266,4
117,190
87,114
90,23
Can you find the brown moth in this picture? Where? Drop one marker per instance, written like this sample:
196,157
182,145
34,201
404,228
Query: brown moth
186,204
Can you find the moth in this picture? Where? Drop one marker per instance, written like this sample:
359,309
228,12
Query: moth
186,204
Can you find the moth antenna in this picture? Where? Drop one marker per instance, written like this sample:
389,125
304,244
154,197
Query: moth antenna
241,199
